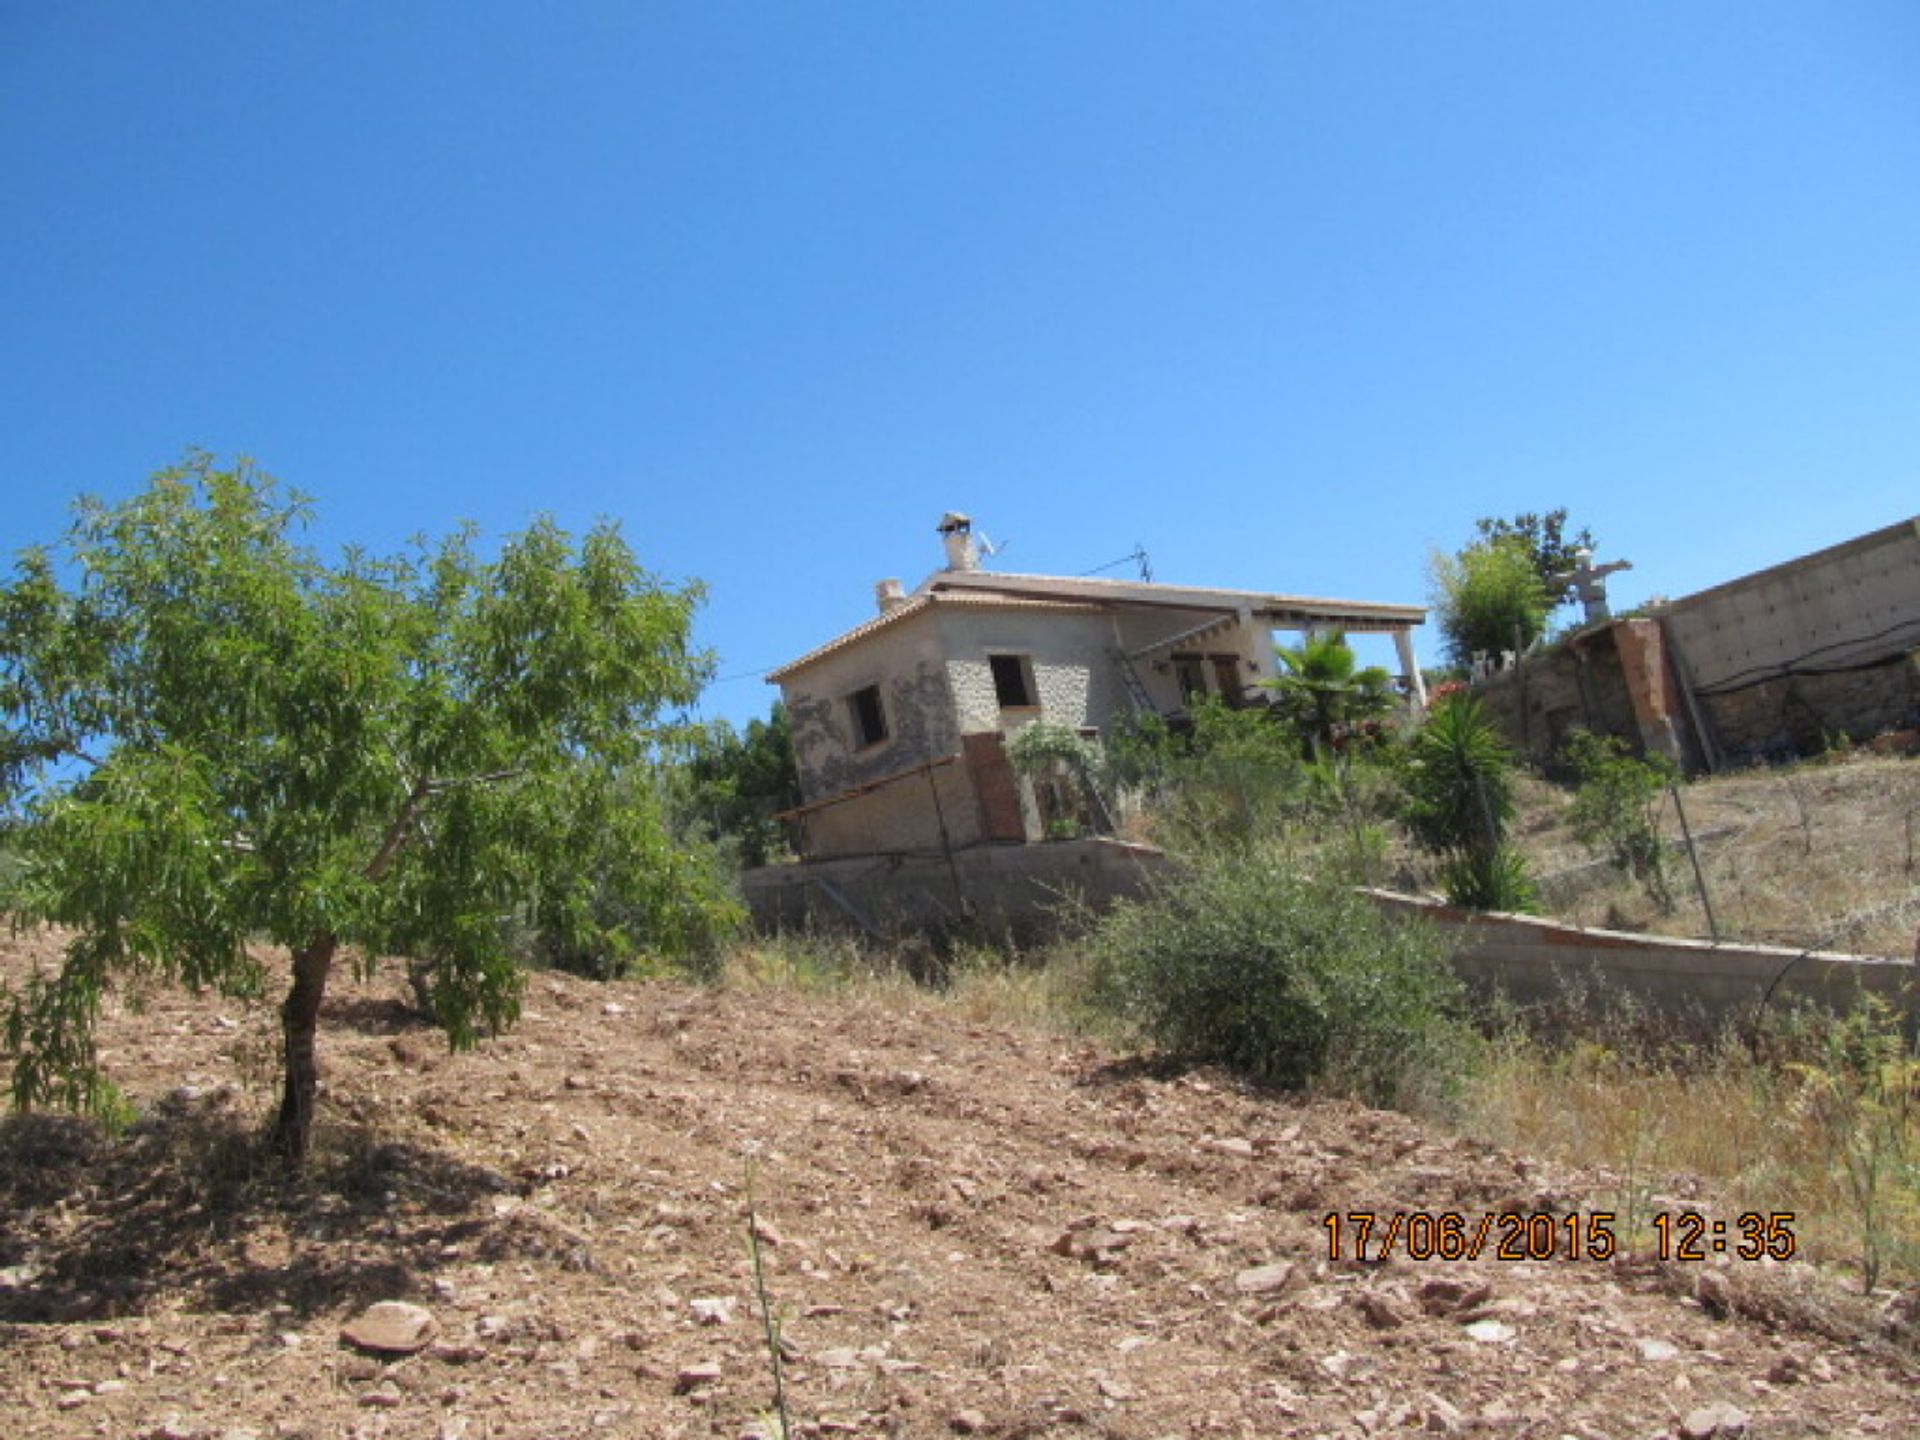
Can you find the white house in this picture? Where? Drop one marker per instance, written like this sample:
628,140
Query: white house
899,725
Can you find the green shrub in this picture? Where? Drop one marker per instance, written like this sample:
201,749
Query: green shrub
1614,812
1245,960
1489,598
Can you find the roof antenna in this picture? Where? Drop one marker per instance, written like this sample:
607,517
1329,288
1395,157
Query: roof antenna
1138,557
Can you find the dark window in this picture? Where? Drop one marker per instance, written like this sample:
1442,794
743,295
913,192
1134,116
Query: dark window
1012,681
869,720
1226,674
1191,672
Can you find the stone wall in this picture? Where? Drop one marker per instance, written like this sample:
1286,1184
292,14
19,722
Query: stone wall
1576,685
1076,684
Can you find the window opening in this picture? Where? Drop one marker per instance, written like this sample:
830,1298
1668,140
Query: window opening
869,720
1012,681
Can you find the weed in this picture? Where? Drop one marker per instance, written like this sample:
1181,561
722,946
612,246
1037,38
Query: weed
770,1321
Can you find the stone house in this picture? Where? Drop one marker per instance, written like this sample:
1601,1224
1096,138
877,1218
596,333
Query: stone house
900,725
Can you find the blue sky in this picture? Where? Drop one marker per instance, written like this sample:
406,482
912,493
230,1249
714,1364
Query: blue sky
1287,293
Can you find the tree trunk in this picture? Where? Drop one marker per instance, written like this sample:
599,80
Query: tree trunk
299,1019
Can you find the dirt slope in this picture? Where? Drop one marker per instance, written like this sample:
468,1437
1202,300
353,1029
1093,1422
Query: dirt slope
967,1230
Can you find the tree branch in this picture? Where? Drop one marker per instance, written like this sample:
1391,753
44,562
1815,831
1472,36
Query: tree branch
395,840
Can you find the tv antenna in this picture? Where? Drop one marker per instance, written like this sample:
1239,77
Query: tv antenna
1137,557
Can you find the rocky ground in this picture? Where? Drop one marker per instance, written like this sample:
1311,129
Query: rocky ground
964,1230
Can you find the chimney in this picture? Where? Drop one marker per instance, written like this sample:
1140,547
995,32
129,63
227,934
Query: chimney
956,530
889,596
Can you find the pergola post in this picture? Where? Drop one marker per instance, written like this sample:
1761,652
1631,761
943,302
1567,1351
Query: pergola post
1410,668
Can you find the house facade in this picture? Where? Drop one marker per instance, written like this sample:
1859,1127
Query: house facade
900,725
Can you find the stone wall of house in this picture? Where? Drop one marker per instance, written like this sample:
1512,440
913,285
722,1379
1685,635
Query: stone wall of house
1076,684
906,662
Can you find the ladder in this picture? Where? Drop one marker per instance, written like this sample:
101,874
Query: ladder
1130,679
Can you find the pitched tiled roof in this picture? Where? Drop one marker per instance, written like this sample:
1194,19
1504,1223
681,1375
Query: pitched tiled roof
915,606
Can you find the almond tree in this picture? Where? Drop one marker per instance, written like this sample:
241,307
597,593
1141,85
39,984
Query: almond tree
210,739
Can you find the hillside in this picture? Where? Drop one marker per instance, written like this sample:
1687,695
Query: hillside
967,1229
1823,853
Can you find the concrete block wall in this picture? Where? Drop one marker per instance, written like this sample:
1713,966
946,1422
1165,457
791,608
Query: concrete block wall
1543,963
1785,658
1019,889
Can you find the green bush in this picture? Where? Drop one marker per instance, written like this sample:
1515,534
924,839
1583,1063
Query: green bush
1614,812
1489,598
1246,960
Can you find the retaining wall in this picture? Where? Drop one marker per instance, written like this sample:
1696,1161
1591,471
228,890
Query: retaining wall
1544,963
1022,890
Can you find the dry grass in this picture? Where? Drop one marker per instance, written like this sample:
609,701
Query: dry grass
1727,1131
1822,854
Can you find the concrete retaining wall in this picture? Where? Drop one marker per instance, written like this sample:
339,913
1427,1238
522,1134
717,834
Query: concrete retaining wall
1541,962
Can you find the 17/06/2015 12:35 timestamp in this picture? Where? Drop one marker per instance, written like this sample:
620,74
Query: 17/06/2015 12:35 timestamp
1544,1235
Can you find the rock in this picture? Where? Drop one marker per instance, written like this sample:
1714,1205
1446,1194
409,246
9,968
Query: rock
694,1377
713,1309
384,1398
171,1428
490,1327
1719,1421
1785,1370
73,1399
1381,1312
764,1232
1651,1349
1441,1416
392,1327
1491,1332
967,1422
1445,1295
1264,1279
1235,1145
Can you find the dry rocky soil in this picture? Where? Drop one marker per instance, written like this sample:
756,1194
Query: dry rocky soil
964,1230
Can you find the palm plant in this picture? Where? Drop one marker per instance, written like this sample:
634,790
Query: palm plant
1461,800
1323,692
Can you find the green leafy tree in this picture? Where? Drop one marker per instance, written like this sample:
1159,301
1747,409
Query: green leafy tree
1325,694
1460,789
1551,549
214,738
741,780
1489,598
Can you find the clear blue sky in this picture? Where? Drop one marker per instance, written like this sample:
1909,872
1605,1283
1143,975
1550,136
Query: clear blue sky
1288,293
